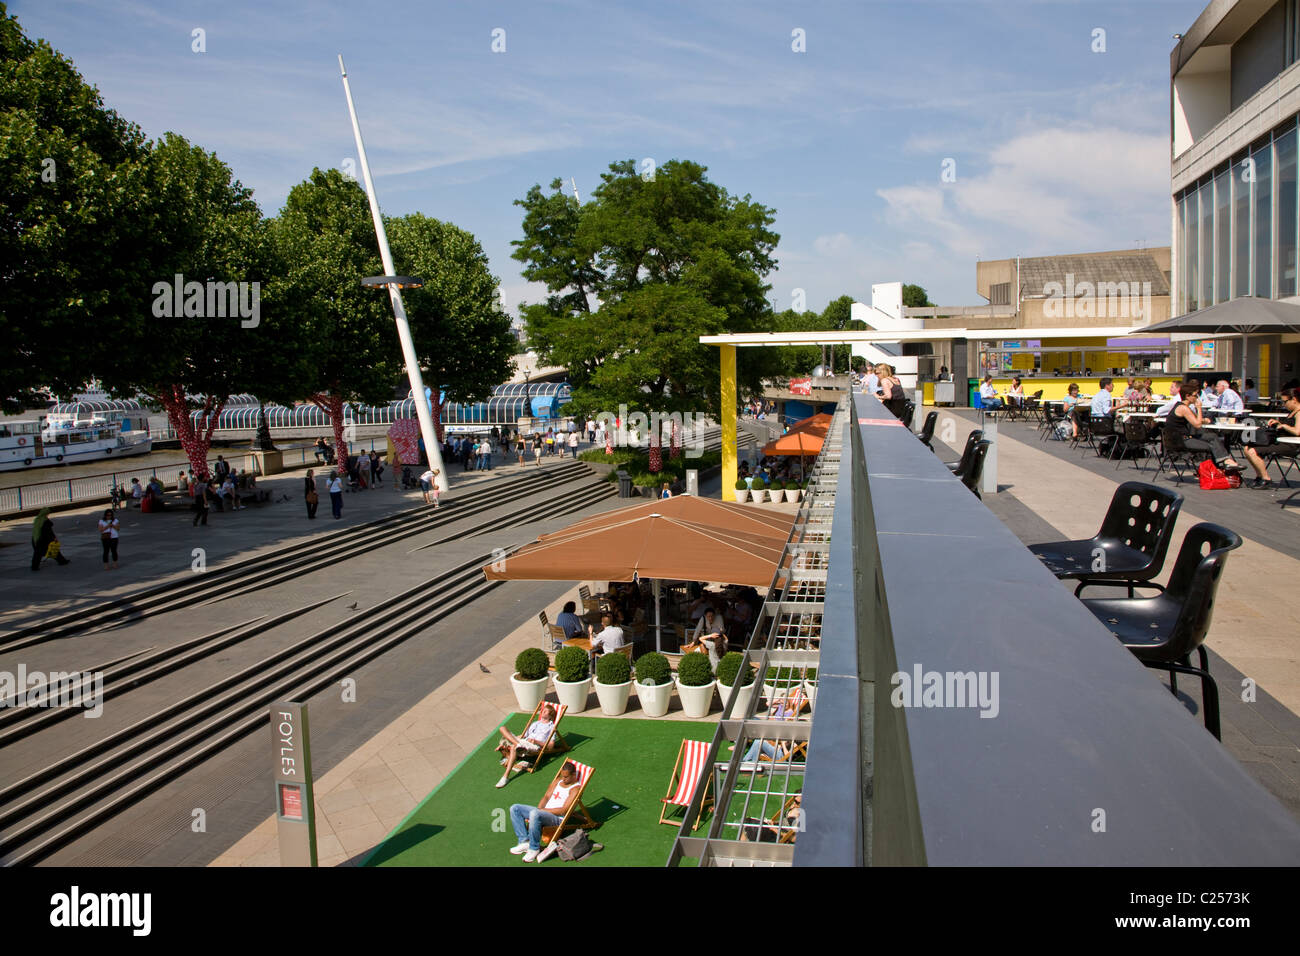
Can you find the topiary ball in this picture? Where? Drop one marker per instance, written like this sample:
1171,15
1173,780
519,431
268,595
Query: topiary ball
572,665
653,670
532,664
613,669
693,670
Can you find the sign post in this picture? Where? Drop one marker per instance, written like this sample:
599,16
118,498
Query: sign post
295,807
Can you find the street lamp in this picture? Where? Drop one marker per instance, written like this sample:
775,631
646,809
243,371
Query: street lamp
395,283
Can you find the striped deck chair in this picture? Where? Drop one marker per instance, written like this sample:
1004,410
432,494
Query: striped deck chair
692,766
583,819
555,743
791,706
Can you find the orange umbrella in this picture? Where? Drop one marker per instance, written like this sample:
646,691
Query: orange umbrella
659,540
819,424
796,443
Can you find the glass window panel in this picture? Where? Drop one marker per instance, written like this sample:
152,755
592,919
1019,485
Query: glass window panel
1286,213
1263,255
1181,292
1223,234
1207,244
1241,229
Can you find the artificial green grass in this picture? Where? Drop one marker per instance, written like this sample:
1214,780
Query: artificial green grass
466,821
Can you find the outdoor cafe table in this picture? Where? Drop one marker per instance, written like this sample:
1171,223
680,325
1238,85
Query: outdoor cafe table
1288,440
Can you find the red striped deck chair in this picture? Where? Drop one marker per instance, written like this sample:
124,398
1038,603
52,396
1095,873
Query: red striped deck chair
555,743
577,817
792,706
691,767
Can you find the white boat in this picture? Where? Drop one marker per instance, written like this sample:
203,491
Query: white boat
65,439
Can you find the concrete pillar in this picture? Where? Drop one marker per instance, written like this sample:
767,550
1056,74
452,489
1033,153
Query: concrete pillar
730,462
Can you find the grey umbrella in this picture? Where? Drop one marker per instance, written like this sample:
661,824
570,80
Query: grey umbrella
1245,315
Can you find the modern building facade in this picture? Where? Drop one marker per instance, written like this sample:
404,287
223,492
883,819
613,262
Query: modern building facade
1235,160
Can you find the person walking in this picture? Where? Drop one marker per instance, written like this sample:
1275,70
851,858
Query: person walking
109,529
573,444
336,494
520,445
309,493
200,506
537,448
374,467
43,537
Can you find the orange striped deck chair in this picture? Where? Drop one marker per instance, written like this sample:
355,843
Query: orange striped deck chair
577,817
555,743
692,766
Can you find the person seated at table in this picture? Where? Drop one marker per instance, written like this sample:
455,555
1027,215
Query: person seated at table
1252,393
569,620
1175,396
1102,404
1067,406
1288,424
989,394
1209,398
1130,392
608,638
1016,393
1186,419
1228,399
1144,390
710,637
534,739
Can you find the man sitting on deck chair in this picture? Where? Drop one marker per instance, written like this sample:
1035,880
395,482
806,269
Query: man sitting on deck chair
532,742
554,805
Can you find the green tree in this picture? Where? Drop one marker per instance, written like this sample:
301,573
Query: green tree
635,277
195,221
69,262
462,337
914,297
325,242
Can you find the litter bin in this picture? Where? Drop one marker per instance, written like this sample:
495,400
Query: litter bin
972,389
624,484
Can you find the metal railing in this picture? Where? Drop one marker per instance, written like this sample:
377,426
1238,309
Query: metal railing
99,487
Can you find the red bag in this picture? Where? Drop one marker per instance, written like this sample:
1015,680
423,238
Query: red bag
1213,479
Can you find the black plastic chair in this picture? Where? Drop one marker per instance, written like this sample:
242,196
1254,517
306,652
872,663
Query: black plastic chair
1034,406
926,434
1129,549
1100,429
972,475
1162,631
1177,456
959,468
1083,418
1137,436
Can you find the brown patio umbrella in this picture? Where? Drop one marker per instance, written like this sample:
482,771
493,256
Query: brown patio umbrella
726,515
795,443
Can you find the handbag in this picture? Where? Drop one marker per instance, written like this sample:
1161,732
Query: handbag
312,497
1212,478
53,550
576,845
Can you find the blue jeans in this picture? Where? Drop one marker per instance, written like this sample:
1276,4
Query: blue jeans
528,822
336,499
759,747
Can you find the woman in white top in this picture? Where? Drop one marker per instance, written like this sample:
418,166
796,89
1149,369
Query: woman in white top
573,443
109,529
336,494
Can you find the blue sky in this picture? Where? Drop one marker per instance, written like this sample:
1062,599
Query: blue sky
1056,148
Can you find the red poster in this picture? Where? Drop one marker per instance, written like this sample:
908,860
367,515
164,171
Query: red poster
880,421
801,386
290,801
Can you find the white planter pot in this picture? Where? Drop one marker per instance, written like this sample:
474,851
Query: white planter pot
742,699
654,698
613,697
696,701
528,693
781,495
573,695
757,497
793,495
742,495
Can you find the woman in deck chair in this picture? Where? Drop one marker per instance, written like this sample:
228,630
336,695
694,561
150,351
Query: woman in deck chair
783,708
532,742
775,830
529,821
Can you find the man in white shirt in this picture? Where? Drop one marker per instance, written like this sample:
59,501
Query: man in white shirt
1209,397
1175,396
989,394
1101,402
1229,401
609,638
